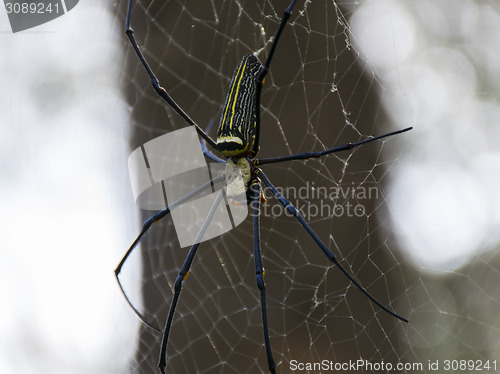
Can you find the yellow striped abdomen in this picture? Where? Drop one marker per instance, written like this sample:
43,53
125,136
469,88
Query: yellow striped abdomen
237,128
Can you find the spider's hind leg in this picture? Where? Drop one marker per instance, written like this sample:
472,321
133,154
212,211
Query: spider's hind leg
156,83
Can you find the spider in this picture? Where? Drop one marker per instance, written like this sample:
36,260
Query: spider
238,141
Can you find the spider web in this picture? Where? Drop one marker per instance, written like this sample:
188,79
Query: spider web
323,90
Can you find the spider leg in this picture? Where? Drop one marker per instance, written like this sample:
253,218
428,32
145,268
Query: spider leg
265,69
156,83
308,155
207,151
284,20
181,276
291,209
145,227
210,154
259,270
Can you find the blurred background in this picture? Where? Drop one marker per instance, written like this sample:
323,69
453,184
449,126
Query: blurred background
75,102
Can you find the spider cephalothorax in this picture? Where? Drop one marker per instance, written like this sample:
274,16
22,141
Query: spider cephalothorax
236,168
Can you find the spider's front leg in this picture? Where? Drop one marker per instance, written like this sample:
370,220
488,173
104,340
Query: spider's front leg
294,212
255,192
145,228
162,364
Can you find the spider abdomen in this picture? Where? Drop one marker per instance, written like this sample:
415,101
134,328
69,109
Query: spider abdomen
237,128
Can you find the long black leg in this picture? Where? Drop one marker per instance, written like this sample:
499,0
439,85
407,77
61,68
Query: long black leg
291,209
265,69
307,155
204,148
259,270
156,83
182,275
145,227
284,20
210,154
